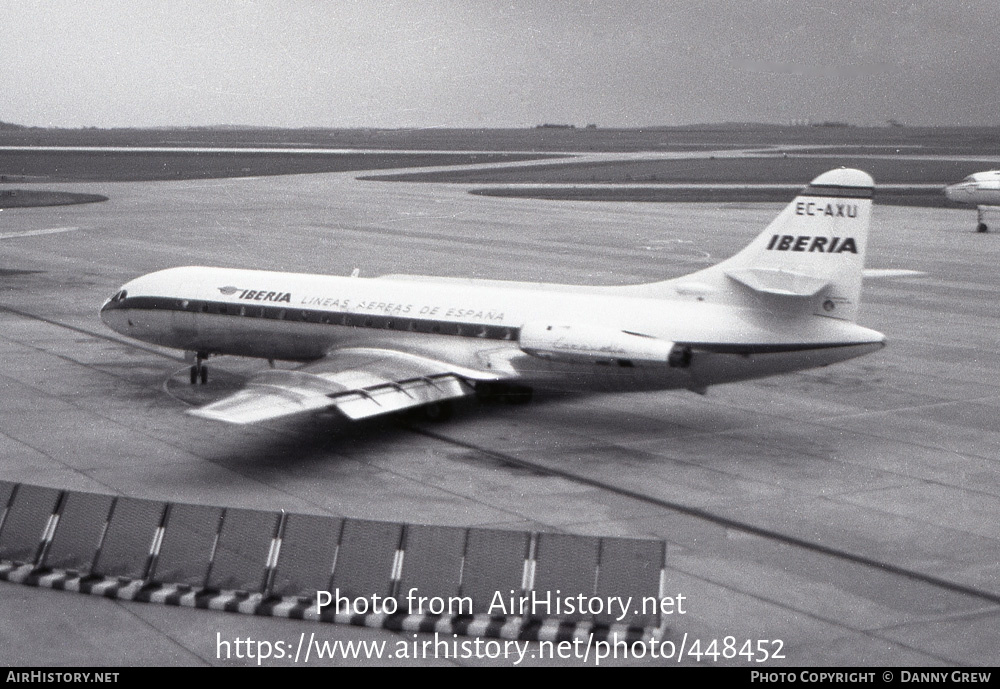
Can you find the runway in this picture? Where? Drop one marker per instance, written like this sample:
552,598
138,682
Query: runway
849,512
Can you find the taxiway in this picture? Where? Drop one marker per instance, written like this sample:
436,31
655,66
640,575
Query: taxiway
850,512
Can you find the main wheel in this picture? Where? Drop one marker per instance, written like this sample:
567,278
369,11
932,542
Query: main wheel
204,374
194,375
981,227
488,392
436,412
518,394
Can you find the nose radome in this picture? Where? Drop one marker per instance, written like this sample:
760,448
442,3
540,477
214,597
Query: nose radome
108,315
112,311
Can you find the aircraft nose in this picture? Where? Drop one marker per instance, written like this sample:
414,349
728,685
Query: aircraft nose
113,311
956,192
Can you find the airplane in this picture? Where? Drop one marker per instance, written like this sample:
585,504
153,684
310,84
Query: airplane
369,346
981,189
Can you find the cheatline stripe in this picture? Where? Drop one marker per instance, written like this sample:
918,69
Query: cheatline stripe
289,313
421,325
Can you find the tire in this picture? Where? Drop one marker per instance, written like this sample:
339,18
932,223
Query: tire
518,394
194,375
981,227
487,393
204,375
437,412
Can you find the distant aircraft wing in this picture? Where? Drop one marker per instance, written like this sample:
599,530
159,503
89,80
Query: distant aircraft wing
890,273
359,383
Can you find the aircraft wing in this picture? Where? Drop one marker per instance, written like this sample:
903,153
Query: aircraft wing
359,383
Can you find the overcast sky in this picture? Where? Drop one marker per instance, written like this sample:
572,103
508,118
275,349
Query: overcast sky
482,63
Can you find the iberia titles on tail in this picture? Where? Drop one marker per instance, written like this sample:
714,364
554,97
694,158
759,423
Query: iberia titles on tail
369,346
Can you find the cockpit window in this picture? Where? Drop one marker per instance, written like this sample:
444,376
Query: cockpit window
970,178
119,296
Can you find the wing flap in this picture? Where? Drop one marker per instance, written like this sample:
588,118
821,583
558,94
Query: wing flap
357,383
391,397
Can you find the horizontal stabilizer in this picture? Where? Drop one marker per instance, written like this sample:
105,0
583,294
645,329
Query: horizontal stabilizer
780,282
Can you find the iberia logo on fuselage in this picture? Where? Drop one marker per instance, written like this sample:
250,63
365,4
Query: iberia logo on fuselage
257,295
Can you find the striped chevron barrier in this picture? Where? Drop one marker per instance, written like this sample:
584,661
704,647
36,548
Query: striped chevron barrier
299,608
279,564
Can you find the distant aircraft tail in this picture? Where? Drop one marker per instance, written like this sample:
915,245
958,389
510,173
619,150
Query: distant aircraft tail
808,260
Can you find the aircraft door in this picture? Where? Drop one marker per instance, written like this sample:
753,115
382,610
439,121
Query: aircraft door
184,322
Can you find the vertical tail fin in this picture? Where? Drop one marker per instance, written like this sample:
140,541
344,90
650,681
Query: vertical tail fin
810,258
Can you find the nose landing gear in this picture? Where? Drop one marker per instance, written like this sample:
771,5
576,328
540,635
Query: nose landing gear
987,217
199,371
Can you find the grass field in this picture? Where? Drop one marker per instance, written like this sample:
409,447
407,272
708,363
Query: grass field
951,140
113,166
793,168
656,194
896,155
26,198
790,169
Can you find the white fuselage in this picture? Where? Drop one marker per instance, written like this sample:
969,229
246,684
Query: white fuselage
475,325
981,189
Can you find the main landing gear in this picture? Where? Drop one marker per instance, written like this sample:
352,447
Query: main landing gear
199,371
435,412
487,391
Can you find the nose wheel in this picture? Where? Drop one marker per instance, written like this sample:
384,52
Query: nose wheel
199,371
988,216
